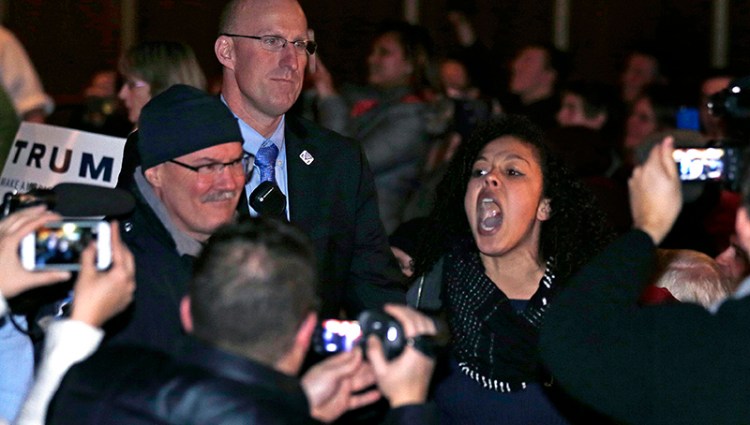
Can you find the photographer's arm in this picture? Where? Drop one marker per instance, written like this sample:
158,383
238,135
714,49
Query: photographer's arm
15,279
98,296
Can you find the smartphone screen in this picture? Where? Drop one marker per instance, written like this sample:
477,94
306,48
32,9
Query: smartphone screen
58,245
700,164
334,336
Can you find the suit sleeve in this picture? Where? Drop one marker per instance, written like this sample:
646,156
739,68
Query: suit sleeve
672,363
374,274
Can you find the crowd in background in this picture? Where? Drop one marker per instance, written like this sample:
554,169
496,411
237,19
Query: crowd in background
433,129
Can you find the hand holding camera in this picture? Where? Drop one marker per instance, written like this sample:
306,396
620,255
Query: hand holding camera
404,379
655,194
99,295
15,279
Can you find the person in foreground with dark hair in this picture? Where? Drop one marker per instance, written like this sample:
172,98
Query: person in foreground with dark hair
675,363
250,311
510,225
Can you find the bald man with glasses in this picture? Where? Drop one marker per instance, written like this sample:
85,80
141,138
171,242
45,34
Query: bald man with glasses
265,47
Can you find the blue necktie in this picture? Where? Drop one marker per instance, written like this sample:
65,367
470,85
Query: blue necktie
265,159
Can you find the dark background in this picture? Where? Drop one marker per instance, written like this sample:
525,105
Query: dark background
70,39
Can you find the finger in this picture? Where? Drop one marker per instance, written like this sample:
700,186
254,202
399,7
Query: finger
359,400
413,322
363,377
121,255
48,277
667,161
116,243
341,364
26,224
375,355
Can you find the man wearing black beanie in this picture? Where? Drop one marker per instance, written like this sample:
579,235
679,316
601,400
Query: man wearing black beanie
190,179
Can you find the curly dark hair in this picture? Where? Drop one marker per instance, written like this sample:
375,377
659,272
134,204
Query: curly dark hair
576,230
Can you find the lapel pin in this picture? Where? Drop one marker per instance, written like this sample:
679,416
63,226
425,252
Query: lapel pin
306,157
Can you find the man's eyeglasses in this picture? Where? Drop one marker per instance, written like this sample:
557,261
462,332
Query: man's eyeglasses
274,43
239,167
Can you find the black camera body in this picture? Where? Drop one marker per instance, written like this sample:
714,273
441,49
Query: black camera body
733,102
334,336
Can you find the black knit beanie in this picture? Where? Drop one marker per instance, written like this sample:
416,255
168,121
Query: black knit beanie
183,120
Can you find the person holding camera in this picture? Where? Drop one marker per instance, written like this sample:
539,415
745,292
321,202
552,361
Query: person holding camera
244,370
673,363
98,295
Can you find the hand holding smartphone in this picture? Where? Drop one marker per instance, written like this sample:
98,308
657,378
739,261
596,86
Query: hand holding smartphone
58,245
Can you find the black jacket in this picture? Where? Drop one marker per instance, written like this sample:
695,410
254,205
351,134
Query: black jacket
201,385
334,201
161,275
663,364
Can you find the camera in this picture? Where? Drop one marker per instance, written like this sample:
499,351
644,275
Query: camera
334,336
58,245
721,163
733,102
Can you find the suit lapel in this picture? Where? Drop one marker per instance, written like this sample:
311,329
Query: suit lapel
301,177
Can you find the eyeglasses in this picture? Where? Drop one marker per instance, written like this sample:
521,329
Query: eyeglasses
134,83
239,167
274,43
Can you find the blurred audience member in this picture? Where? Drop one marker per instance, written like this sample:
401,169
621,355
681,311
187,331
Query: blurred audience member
654,110
151,67
584,104
20,80
691,277
388,115
101,110
734,261
148,69
642,69
535,75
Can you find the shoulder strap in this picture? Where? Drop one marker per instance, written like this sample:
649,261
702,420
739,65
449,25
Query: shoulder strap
425,293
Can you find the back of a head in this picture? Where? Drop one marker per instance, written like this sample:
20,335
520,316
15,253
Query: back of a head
691,276
252,287
163,64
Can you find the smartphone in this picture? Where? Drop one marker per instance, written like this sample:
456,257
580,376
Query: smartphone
334,336
58,245
701,164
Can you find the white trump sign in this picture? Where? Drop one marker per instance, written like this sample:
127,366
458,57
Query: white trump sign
45,155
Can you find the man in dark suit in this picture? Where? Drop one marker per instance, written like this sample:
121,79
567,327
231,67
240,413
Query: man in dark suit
264,49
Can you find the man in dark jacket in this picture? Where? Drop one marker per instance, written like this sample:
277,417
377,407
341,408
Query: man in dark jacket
664,364
251,311
189,182
264,49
